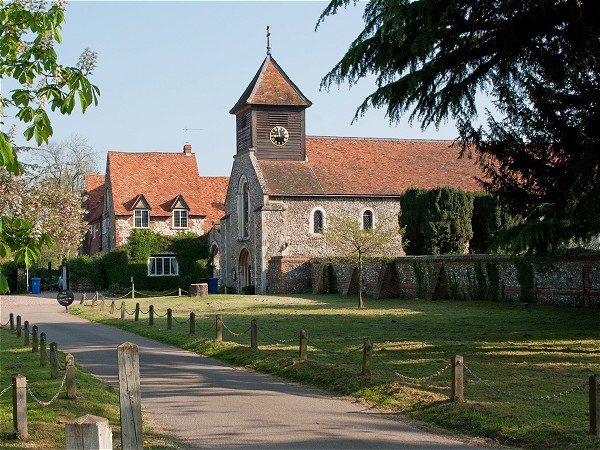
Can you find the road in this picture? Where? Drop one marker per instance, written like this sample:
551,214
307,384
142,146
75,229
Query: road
203,403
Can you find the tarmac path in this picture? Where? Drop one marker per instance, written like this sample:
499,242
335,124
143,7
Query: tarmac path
203,403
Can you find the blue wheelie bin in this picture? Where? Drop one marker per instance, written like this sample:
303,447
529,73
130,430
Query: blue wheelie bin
35,285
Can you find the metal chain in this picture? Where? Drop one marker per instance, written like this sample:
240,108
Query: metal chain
279,341
165,294
142,312
178,321
6,389
235,334
53,398
331,351
130,313
411,379
5,324
128,295
525,397
209,328
60,366
158,315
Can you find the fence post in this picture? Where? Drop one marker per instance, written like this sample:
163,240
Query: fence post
20,406
112,307
34,338
253,335
11,319
123,310
71,383
19,327
151,315
102,304
82,299
26,332
94,300
179,294
595,405
53,360
43,354
219,328
132,290
192,323
367,353
457,392
137,312
303,352
130,396
88,432
169,319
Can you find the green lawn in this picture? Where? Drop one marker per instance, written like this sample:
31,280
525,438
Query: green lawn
517,351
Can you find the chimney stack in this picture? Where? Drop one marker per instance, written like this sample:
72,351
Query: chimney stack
187,149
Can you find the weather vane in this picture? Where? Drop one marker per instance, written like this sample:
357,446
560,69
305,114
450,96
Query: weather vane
268,41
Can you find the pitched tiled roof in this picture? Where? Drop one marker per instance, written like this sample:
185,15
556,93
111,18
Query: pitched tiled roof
271,86
94,190
371,167
160,178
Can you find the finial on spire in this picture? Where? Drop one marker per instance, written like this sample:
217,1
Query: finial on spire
268,41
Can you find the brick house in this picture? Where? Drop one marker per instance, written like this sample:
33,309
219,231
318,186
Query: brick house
162,192
284,184
94,203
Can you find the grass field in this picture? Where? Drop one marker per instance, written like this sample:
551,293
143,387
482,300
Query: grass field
46,424
515,356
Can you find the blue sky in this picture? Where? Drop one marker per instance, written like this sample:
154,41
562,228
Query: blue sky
164,67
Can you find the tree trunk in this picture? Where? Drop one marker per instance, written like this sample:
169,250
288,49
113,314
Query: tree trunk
360,283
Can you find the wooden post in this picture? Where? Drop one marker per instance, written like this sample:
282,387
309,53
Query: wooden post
151,315
457,392
34,338
253,335
112,307
132,290
122,310
88,432
130,396
82,299
94,300
179,294
219,327
20,406
53,360
303,352
192,324
26,332
43,354
102,305
19,326
169,319
11,319
71,383
595,405
367,354
137,312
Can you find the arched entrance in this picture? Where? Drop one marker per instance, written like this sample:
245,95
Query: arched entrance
215,255
245,270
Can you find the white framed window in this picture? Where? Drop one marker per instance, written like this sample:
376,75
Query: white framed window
163,265
317,221
180,218
141,218
367,219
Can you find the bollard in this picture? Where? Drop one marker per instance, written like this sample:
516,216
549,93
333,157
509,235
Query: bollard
11,319
112,307
53,360
102,305
253,335
169,319
130,396
132,291
71,384
457,392
43,352
82,301
137,312
595,405
192,323
123,310
34,338
20,406
303,351
179,294
19,329
26,333
94,300
367,354
151,315
219,328
88,432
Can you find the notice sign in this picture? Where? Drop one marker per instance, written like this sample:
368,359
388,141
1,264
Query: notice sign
65,298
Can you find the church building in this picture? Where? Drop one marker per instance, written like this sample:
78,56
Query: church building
284,185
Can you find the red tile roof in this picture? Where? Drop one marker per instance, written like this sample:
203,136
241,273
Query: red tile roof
370,167
160,178
94,190
271,86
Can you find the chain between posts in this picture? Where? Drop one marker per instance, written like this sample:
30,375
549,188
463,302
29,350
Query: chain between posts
235,334
279,341
412,379
60,366
159,315
128,295
506,393
6,389
182,323
5,324
48,403
333,352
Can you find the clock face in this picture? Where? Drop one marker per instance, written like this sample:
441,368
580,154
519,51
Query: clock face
279,135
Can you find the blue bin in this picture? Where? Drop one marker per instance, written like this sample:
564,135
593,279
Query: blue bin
213,285
35,285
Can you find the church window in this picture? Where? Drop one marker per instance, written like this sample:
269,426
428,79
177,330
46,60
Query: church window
243,209
318,221
141,218
244,121
180,218
367,220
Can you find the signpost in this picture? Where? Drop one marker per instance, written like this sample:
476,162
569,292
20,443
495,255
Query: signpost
65,298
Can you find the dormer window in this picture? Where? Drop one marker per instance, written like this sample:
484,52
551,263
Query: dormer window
180,218
141,218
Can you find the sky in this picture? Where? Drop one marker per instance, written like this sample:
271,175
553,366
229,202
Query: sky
169,72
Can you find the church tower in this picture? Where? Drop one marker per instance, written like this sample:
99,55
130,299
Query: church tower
270,115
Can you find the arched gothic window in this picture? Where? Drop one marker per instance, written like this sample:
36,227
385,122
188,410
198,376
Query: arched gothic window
243,209
318,222
367,220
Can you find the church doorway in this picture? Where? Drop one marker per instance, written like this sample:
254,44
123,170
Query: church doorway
215,256
245,270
